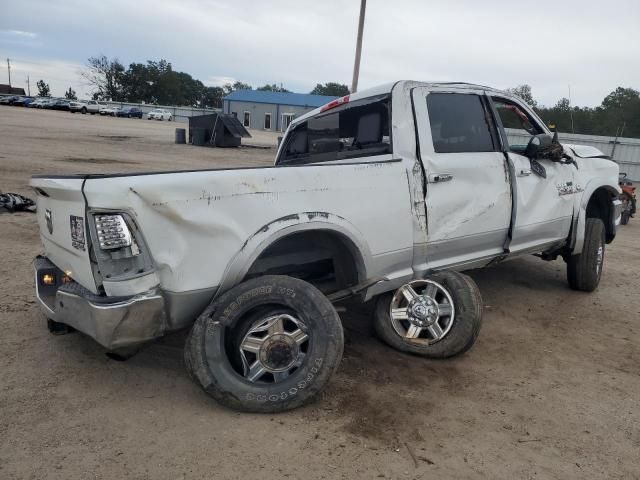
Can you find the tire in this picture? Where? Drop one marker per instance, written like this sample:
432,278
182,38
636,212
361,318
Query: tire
459,330
84,110
585,269
302,319
624,218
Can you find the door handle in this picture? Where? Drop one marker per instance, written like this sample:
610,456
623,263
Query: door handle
440,177
524,172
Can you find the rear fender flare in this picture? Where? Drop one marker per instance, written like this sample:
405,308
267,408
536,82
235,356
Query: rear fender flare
282,227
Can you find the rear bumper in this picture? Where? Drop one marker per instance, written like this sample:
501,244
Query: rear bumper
114,322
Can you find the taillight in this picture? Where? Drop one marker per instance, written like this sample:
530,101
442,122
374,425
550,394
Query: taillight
335,103
112,232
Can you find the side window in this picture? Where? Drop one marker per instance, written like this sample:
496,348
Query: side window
518,124
459,123
353,130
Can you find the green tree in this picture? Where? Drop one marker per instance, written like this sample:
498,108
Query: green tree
43,89
212,97
272,88
524,92
106,77
331,88
620,98
70,94
230,87
563,105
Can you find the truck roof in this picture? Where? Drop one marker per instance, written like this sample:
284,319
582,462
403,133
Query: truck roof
388,87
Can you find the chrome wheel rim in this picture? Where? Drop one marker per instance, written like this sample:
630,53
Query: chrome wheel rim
422,312
273,348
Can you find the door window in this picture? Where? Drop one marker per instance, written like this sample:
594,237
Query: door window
267,121
460,123
518,124
247,119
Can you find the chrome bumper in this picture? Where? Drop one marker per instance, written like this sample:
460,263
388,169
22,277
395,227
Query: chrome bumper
114,322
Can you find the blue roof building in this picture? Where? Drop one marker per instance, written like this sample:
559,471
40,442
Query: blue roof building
273,111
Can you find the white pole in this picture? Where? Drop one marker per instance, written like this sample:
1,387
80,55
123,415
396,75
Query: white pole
356,65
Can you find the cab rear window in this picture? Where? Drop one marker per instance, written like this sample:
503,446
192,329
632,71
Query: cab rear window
357,129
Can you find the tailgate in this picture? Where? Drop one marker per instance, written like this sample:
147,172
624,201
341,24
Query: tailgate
63,227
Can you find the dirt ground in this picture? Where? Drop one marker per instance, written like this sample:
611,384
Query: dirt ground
550,390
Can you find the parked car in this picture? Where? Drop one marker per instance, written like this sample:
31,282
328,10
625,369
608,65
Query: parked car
8,100
22,101
60,104
159,114
38,102
384,194
85,106
130,112
109,110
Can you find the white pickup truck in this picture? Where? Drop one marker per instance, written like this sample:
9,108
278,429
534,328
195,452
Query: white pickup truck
85,106
385,193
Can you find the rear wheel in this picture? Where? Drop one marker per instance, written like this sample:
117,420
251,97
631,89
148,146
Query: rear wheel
585,269
268,345
84,110
437,317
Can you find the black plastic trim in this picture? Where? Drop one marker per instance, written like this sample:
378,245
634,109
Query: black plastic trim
97,176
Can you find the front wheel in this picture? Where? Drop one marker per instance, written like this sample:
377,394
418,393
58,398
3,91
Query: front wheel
437,317
268,345
585,269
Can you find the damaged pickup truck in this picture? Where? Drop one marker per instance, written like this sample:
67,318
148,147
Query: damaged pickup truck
385,194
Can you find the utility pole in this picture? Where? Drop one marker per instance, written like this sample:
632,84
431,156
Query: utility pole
9,70
28,86
571,110
356,65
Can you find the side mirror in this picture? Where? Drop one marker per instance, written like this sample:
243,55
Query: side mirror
538,143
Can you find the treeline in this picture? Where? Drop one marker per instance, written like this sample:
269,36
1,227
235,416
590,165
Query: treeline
156,82
618,114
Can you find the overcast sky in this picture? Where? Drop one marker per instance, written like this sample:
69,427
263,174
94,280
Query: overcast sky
592,46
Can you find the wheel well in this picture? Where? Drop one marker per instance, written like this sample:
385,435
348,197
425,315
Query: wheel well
327,260
599,206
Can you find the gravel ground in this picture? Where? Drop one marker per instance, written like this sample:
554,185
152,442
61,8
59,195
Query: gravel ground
550,390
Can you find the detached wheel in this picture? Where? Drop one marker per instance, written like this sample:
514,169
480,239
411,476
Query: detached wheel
437,317
584,270
268,345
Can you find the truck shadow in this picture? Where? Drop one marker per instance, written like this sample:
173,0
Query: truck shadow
376,386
